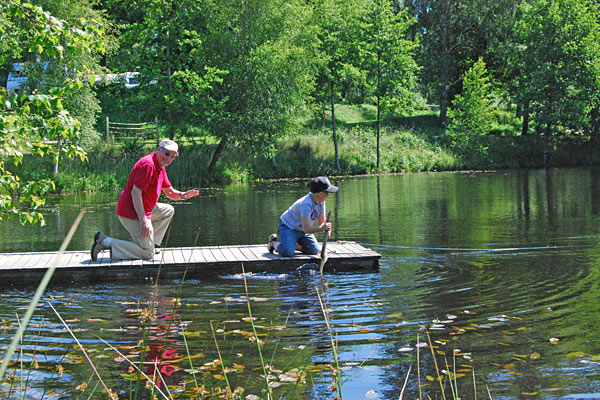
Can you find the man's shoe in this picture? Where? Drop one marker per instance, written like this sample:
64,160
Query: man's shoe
97,247
271,245
156,250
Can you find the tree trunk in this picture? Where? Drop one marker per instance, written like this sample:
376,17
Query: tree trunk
378,105
378,127
594,124
169,72
444,68
216,156
525,126
443,94
335,142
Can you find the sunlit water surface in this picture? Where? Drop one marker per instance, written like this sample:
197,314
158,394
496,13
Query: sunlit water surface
499,271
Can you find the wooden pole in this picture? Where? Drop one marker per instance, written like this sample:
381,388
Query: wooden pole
323,252
107,130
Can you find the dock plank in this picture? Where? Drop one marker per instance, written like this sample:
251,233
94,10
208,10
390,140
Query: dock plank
356,247
261,252
228,254
347,248
249,254
238,254
208,255
65,259
10,260
197,256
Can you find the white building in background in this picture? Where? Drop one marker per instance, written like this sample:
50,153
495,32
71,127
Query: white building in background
17,77
129,79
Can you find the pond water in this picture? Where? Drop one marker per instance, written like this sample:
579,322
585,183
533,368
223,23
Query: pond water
498,271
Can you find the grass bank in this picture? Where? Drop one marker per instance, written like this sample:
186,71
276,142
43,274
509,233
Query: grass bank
407,144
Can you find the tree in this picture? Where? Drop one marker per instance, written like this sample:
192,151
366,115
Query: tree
268,48
248,65
82,104
556,61
163,41
389,59
471,115
451,32
339,23
30,122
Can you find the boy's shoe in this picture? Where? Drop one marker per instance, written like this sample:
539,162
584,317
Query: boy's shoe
270,245
97,247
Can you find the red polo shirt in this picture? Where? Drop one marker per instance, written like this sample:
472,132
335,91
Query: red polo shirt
148,175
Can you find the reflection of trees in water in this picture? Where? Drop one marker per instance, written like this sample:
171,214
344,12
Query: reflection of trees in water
537,298
595,190
523,196
303,307
306,316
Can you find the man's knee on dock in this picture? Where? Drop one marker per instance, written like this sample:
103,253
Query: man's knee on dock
286,251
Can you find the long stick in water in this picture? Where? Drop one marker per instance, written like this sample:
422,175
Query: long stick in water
323,253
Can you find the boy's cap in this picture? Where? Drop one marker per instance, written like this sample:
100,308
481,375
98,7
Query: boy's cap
169,145
322,184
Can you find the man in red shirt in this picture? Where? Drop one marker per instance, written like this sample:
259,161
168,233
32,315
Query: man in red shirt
138,208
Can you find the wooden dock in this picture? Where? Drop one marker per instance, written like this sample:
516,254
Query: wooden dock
200,262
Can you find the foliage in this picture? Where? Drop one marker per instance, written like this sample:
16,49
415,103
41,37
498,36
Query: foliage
269,51
162,41
450,33
471,114
339,26
556,61
339,30
239,71
240,78
389,55
82,104
388,59
32,123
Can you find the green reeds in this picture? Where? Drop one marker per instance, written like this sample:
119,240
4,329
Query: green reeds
221,363
405,383
450,374
419,367
38,295
89,360
337,371
262,362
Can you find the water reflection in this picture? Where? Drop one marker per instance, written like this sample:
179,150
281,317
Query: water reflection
493,265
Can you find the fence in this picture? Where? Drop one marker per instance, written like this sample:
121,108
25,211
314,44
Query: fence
124,130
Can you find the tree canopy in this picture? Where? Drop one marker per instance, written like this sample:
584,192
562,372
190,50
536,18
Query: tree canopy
36,121
242,74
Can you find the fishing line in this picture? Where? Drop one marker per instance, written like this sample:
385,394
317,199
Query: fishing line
474,250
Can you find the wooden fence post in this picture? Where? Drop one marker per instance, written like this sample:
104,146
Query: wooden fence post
107,130
157,134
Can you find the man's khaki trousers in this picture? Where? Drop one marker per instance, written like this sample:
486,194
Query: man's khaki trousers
142,247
